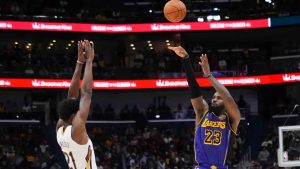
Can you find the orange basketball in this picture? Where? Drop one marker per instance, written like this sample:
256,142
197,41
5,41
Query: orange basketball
174,11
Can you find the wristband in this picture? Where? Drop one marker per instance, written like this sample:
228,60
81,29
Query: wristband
207,76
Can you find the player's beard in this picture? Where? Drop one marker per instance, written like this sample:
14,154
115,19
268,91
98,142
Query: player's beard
218,110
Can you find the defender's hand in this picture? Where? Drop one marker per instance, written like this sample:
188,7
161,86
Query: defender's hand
180,51
204,64
89,49
80,46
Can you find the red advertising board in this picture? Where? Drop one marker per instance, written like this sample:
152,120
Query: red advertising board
151,83
128,28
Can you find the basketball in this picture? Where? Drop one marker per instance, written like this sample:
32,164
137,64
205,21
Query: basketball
174,11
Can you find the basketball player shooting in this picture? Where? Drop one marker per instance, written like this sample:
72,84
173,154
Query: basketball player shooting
71,132
213,125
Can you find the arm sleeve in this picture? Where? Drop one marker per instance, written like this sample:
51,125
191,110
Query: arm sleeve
193,85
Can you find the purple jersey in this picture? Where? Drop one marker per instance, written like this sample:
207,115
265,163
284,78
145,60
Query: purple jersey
212,137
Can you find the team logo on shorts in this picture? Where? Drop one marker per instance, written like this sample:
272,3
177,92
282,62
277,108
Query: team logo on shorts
213,167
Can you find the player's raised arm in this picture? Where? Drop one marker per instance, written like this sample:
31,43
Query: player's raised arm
199,104
230,105
75,83
79,130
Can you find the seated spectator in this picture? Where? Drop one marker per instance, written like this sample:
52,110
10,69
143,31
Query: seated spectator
263,156
179,114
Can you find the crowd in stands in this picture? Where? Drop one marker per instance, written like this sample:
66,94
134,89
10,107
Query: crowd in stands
25,148
162,147
149,147
154,110
267,156
22,60
36,59
143,145
10,109
132,112
155,147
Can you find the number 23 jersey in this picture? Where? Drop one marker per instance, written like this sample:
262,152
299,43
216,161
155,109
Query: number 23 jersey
77,156
212,139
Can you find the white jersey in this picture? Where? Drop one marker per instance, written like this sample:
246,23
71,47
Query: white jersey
77,156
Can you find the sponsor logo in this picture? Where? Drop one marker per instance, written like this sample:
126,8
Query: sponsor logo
240,81
5,25
42,83
5,83
165,83
159,27
111,28
115,85
287,77
42,26
230,25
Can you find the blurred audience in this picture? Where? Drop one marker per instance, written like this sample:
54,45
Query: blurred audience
25,148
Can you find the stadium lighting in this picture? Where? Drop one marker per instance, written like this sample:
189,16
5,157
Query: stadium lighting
168,44
209,17
157,116
29,44
51,44
132,45
217,17
149,44
67,48
199,19
148,41
49,47
268,1
53,40
151,48
216,9
213,17
16,43
72,41
69,44
133,48
150,11
167,41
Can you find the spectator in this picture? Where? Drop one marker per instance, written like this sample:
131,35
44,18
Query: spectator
222,64
179,114
263,156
